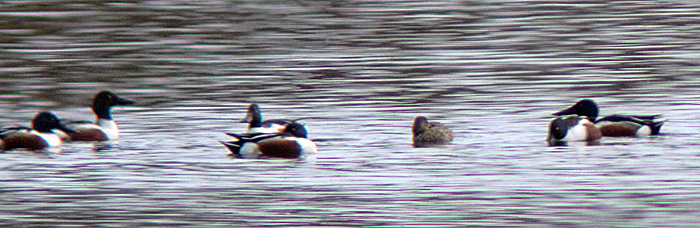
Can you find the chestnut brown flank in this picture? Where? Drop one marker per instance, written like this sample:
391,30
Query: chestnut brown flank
89,134
22,140
280,148
617,130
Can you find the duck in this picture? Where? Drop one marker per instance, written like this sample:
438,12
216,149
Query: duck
257,125
292,142
430,133
572,128
41,134
616,125
104,128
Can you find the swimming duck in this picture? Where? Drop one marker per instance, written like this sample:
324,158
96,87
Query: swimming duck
615,125
572,128
39,136
254,117
430,133
104,128
290,143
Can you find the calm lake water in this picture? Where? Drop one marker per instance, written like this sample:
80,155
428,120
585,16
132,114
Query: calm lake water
493,71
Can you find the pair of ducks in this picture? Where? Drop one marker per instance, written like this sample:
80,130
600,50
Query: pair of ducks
42,132
279,138
576,123
579,123
288,139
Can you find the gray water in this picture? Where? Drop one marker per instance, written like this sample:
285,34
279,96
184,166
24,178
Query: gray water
493,71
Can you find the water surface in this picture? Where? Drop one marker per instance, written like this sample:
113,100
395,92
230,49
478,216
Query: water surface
493,71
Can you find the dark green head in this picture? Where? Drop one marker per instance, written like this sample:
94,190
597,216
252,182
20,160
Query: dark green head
296,130
558,129
47,121
104,101
585,107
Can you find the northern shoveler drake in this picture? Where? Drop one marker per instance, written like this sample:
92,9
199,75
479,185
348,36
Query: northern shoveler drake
104,128
572,128
39,136
290,143
257,125
430,133
616,125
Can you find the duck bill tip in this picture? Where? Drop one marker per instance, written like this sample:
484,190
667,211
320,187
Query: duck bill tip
122,101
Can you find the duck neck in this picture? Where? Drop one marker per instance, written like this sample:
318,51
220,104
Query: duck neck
255,121
102,111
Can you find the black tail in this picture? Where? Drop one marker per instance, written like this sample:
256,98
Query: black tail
655,126
234,147
241,139
252,137
653,123
238,137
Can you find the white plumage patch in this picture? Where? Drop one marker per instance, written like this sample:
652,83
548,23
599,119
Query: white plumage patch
250,150
109,127
50,138
273,128
307,146
578,132
644,131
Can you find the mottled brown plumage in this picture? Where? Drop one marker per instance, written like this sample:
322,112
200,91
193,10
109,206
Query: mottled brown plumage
430,133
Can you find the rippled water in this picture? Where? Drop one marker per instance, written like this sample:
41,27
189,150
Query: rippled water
493,71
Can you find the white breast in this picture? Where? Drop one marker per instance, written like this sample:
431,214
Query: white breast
50,138
109,127
578,132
